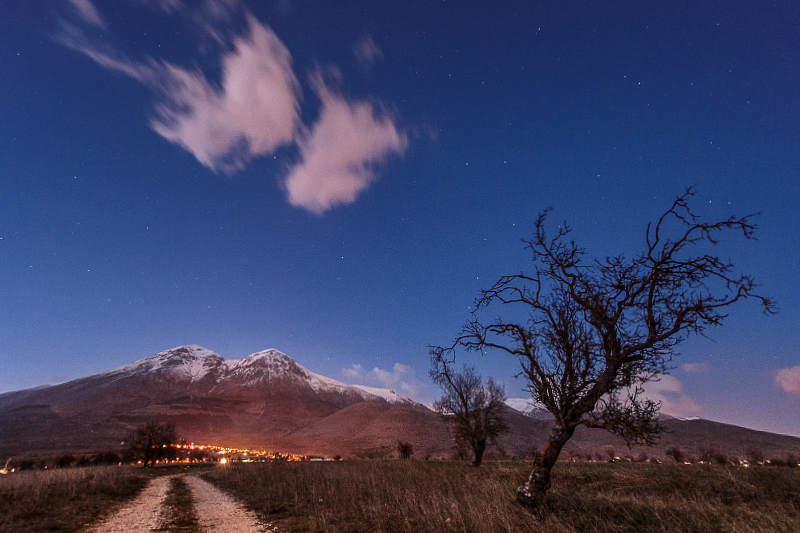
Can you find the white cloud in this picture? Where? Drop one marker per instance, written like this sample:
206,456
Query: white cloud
89,13
695,367
400,379
788,379
354,372
339,154
669,391
254,112
255,109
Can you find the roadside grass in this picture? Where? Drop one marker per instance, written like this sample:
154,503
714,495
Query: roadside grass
64,499
421,496
68,500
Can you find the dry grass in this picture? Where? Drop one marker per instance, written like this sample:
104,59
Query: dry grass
63,499
412,496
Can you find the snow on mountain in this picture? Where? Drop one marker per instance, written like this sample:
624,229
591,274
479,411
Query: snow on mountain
387,394
195,363
529,407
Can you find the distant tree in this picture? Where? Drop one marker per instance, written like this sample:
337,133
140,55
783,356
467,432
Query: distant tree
595,331
405,449
153,440
474,410
106,458
676,454
720,458
755,455
65,461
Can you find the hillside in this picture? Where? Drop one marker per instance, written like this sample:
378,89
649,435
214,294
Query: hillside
268,401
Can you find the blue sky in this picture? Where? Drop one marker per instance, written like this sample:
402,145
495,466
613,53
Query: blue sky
338,181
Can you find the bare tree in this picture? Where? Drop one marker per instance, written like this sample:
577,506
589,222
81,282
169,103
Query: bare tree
404,449
474,410
597,331
153,440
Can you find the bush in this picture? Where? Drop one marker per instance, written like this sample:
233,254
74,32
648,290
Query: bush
405,449
755,455
676,453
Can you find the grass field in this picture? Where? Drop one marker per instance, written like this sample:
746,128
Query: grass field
63,499
69,499
418,496
429,496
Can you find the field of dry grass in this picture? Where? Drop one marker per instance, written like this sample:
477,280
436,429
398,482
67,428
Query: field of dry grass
431,496
70,499
419,496
64,499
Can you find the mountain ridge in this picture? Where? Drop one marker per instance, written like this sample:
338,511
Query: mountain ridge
268,401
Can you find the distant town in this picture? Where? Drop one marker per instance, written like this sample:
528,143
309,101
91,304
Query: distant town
198,453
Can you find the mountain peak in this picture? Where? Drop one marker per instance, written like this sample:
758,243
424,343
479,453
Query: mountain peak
267,365
271,355
191,360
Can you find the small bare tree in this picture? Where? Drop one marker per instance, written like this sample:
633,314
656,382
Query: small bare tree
474,410
153,440
404,449
597,331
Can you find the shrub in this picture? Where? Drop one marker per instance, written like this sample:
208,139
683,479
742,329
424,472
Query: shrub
405,449
755,455
676,453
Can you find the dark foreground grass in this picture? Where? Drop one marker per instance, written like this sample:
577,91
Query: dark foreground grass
64,500
411,496
70,499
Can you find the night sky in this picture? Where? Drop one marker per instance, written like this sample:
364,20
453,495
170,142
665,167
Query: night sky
337,180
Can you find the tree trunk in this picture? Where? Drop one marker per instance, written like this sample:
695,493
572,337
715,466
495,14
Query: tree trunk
478,447
533,491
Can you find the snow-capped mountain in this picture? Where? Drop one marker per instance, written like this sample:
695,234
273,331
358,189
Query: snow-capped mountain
258,401
192,365
268,401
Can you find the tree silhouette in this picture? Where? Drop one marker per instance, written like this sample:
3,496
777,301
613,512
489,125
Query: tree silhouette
597,331
404,449
474,410
153,440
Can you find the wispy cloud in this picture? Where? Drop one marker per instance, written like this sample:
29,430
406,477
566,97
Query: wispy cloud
89,13
339,154
401,379
167,6
788,379
669,391
254,109
695,367
106,56
367,52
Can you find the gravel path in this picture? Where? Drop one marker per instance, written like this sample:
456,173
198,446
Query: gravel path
142,515
217,512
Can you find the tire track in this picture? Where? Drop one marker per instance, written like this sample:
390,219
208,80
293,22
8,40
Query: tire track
219,513
142,515
216,511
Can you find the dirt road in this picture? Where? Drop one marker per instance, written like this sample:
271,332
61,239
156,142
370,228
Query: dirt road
211,511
